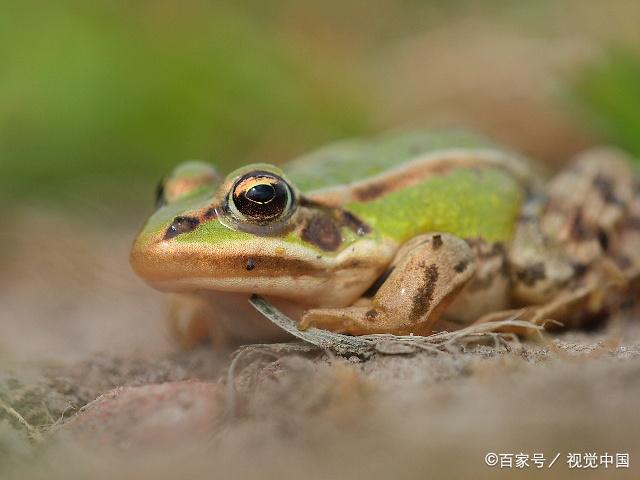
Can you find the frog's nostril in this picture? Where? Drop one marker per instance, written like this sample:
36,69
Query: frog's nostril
181,225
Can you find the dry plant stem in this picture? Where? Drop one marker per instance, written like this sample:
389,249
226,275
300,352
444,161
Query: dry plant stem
32,432
365,346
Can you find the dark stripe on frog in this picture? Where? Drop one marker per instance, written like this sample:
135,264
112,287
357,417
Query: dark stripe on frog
181,225
342,217
210,213
485,250
605,187
461,266
485,253
371,315
322,232
581,233
579,269
603,239
422,300
531,274
578,229
352,222
186,224
377,188
416,172
234,267
370,192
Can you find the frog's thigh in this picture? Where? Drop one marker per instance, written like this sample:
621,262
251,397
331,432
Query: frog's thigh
588,202
538,266
579,221
428,272
487,291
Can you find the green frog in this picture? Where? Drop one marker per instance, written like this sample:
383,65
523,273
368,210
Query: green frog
405,233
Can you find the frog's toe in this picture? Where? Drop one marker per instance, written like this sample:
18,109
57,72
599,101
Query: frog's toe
306,322
323,318
351,320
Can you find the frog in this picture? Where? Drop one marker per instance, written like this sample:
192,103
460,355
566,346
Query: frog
404,233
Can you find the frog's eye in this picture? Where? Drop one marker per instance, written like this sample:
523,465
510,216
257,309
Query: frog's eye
261,198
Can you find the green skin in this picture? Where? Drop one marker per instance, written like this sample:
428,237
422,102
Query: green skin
460,203
402,190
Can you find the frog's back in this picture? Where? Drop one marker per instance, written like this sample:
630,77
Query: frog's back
349,161
417,182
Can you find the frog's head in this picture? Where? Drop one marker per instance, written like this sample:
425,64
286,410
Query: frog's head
254,232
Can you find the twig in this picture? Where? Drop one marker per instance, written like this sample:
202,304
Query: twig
32,431
365,346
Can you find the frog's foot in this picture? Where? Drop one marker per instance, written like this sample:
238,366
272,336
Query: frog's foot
425,277
597,292
189,322
556,313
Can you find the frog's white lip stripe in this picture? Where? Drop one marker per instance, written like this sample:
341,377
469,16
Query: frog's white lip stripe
338,290
424,166
304,289
297,273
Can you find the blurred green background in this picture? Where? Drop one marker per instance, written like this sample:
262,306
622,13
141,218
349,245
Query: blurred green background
99,99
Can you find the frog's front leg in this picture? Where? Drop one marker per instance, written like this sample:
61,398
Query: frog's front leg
191,321
426,274
213,316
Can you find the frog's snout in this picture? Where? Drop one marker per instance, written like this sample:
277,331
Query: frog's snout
141,257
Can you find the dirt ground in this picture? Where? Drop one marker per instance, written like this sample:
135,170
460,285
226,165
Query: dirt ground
92,388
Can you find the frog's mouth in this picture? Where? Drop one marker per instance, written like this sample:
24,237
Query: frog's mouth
260,265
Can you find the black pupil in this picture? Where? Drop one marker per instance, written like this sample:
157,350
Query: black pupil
261,193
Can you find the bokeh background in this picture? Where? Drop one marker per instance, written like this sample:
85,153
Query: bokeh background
98,100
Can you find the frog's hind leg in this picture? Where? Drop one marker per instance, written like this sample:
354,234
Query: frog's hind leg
593,212
590,203
487,291
426,276
538,266
578,253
